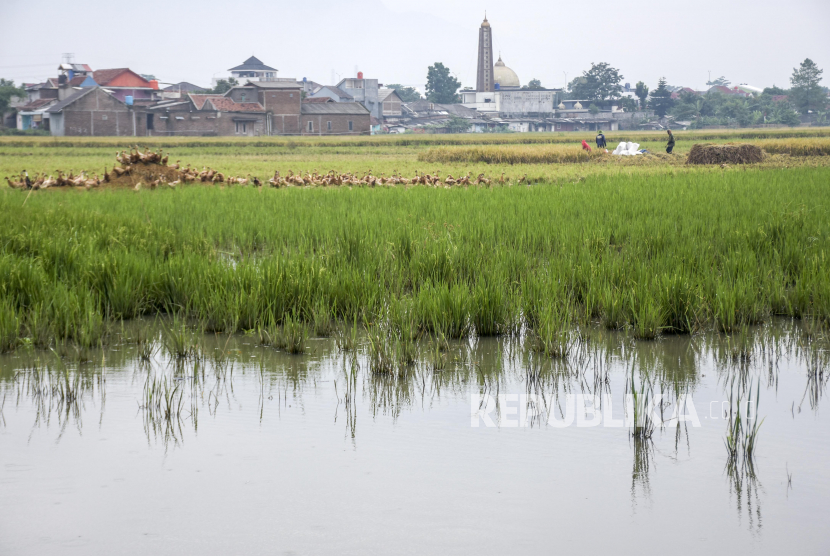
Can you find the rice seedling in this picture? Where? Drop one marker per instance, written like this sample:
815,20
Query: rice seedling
742,424
321,319
553,335
179,339
293,335
648,315
346,336
641,408
9,326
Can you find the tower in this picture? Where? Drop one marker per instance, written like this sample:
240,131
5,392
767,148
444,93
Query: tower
484,75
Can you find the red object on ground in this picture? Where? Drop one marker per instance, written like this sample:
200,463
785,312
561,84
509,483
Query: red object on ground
586,146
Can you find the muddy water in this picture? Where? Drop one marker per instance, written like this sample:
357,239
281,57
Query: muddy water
250,450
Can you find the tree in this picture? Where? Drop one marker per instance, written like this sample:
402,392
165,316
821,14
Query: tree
774,91
7,92
533,85
628,104
593,109
223,86
598,83
407,94
457,124
806,93
722,81
661,100
441,86
641,90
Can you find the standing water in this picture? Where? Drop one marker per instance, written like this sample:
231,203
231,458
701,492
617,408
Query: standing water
481,447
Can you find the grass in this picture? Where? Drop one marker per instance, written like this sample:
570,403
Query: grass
656,248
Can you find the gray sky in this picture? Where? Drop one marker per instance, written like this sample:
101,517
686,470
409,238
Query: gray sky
756,42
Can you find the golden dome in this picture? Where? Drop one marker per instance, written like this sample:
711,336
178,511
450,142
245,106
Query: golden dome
485,23
504,76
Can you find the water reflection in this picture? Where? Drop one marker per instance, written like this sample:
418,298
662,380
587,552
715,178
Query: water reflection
217,375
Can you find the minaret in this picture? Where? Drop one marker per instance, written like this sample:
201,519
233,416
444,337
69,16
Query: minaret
484,75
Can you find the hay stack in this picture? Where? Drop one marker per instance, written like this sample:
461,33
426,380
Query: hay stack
720,154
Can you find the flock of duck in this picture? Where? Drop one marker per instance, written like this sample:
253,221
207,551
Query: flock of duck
137,167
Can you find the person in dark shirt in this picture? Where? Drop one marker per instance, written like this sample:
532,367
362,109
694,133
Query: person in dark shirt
670,144
601,144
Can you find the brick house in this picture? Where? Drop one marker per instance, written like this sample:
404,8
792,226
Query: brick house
254,109
94,112
335,118
206,115
124,82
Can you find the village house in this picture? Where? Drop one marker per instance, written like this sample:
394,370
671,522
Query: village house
253,69
124,82
256,108
334,93
364,91
92,111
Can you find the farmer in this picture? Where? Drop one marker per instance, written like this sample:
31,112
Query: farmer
586,146
601,144
670,144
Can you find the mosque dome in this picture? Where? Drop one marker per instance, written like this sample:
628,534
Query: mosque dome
578,106
504,76
561,106
485,23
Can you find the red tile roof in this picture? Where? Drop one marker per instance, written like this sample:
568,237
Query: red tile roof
199,100
318,99
225,104
110,77
102,77
779,98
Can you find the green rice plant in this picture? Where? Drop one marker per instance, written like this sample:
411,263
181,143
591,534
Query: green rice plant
346,336
680,304
293,335
648,315
642,421
9,326
321,319
742,428
178,339
718,248
444,309
491,310
615,310
553,334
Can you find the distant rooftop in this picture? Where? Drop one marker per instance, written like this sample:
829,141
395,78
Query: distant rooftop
253,64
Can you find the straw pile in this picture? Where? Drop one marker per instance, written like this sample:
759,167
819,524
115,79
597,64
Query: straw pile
721,154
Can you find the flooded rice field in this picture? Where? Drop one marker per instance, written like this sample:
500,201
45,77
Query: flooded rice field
480,446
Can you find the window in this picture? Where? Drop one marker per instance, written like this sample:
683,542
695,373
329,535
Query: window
351,126
310,125
328,126
104,117
243,97
241,127
149,121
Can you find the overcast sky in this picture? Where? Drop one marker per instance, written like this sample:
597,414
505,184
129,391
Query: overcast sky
755,42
